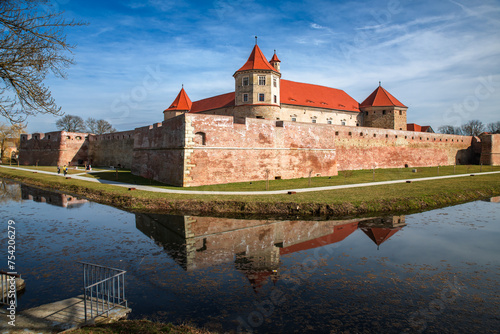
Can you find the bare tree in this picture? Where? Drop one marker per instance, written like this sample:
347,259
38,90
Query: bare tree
450,130
104,127
91,124
71,123
98,127
32,45
10,133
473,128
494,127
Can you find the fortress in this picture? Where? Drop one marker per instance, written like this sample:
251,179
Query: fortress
267,128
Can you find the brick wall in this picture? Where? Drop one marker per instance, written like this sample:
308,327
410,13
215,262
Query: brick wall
366,148
159,151
112,149
53,148
490,149
221,150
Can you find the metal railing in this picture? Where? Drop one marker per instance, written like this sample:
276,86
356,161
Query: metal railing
6,285
104,289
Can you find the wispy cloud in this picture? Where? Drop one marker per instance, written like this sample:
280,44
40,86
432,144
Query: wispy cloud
428,54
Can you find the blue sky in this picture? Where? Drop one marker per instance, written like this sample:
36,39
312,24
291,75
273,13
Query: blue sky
439,57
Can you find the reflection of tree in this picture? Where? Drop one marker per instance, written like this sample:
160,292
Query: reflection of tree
9,191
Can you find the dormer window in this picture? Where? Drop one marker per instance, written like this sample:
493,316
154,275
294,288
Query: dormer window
245,81
262,80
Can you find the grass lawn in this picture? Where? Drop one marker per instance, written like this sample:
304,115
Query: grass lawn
382,198
344,177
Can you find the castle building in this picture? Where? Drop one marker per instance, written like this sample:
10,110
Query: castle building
260,92
268,128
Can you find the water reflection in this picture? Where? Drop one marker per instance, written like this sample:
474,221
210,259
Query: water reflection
217,273
255,246
50,197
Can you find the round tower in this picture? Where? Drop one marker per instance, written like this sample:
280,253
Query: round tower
257,87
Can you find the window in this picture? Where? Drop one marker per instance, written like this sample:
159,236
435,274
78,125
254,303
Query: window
200,138
261,97
245,81
275,99
262,80
314,121
342,123
400,112
329,121
294,119
367,113
245,97
383,112
275,82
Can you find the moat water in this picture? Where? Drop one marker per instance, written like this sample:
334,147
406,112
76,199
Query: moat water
431,272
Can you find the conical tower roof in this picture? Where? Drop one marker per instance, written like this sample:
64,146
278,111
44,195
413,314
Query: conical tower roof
381,98
181,102
256,61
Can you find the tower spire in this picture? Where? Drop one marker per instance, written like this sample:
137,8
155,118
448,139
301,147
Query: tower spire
255,40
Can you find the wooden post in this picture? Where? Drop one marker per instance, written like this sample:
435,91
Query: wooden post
481,168
267,179
310,172
373,174
438,170
454,169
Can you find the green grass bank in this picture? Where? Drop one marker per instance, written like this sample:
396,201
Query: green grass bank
404,197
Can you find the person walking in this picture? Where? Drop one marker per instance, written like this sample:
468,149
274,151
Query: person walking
58,170
65,170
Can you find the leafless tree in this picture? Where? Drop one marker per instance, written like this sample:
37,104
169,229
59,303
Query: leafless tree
32,45
494,127
473,128
71,123
450,130
99,127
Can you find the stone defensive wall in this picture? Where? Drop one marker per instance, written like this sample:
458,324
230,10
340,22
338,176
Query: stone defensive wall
367,148
490,149
112,149
159,151
193,150
57,148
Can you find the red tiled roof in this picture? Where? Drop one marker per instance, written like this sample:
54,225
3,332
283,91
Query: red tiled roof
214,102
425,128
340,232
302,94
181,102
275,58
418,128
413,127
381,98
380,234
256,61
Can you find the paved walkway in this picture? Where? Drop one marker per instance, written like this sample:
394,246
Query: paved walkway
57,317
232,193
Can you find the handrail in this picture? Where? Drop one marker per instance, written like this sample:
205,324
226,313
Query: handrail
104,289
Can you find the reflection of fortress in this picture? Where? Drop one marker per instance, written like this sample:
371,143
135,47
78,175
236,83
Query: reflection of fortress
255,246
267,127
50,197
